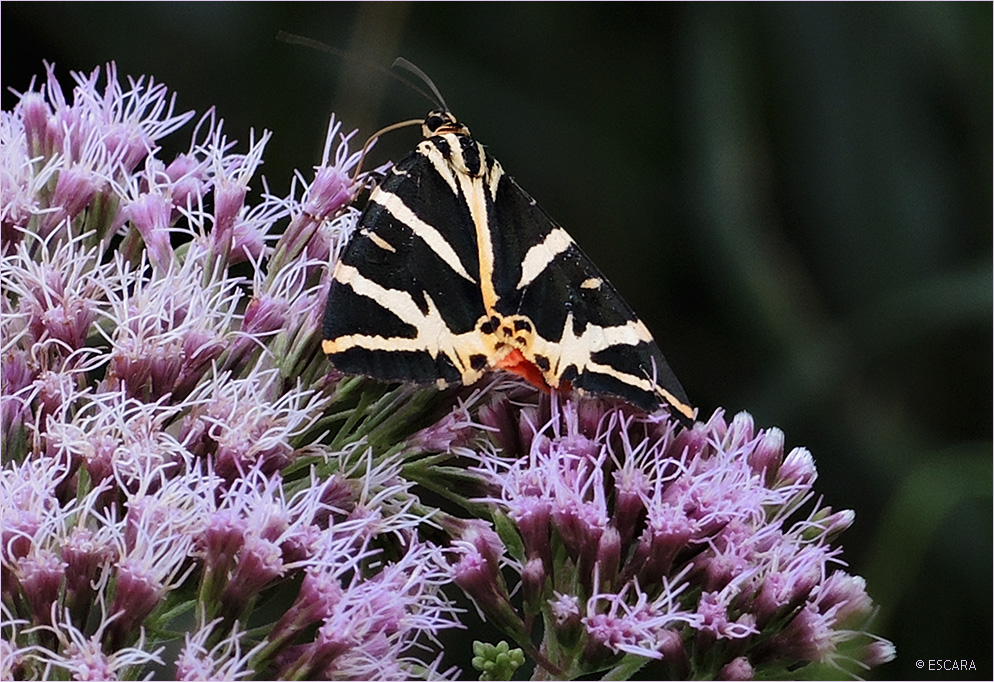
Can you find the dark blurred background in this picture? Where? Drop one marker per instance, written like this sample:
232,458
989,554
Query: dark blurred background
796,198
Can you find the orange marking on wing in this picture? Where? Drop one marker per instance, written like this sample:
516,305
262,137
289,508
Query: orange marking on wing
516,362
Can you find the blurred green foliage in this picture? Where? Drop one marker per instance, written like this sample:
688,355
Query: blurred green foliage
796,197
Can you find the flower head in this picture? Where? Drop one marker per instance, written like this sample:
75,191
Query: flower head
84,657
677,540
169,461
226,660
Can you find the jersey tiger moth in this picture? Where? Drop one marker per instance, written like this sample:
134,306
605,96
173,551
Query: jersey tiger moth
454,271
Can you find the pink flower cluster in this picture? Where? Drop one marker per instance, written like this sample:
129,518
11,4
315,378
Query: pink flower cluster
189,491
695,552
164,465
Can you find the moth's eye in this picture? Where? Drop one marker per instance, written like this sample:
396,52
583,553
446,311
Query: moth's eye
435,121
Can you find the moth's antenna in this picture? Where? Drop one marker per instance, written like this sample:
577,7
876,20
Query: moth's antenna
294,39
374,136
404,64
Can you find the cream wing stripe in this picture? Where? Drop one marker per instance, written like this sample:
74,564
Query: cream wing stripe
399,210
378,240
540,255
473,190
433,336
440,164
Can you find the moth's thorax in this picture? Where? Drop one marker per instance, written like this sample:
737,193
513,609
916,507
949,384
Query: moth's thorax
461,151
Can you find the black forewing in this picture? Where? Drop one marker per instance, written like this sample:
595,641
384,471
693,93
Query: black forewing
415,266
559,290
387,251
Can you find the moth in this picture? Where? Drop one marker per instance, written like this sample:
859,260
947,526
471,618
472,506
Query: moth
454,271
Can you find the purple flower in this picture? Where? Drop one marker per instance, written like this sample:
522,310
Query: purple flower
332,189
370,624
151,215
456,431
242,423
161,412
83,657
676,540
224,661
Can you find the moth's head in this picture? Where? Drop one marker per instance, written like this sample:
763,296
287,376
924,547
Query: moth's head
440,121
